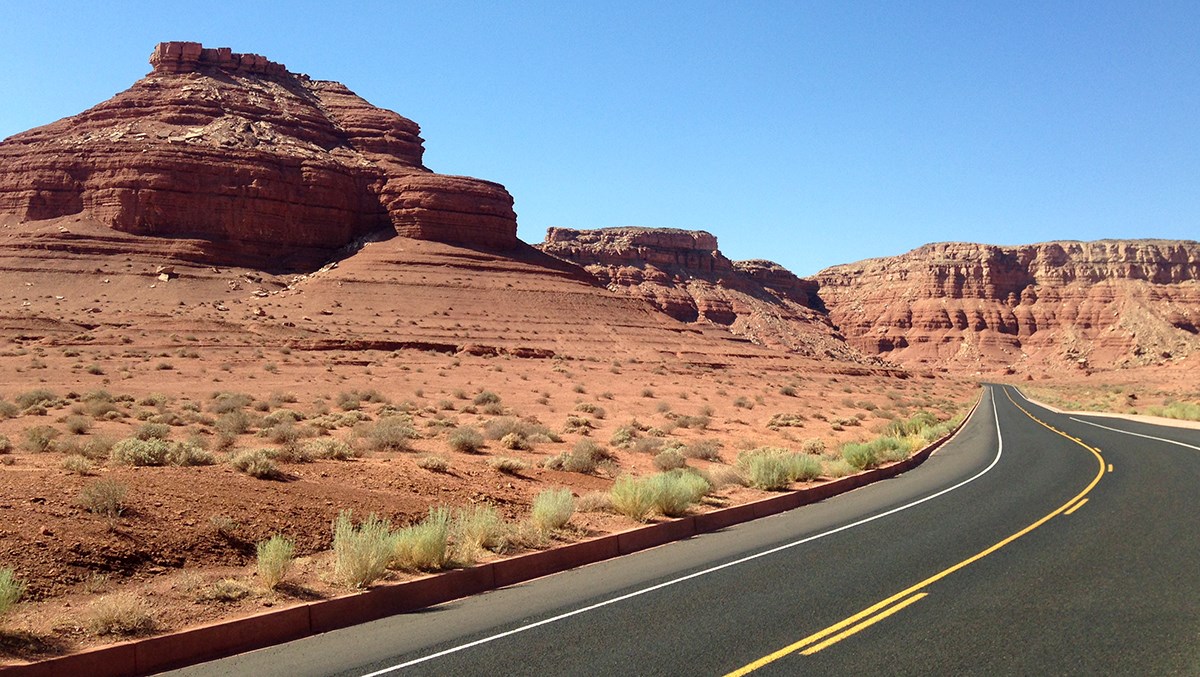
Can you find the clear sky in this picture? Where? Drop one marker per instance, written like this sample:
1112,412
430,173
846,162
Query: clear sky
809,133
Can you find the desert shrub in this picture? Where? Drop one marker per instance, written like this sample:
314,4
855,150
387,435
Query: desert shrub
386,434
584,458
509,466
552,509
466,439
912,426
476,529
578,425
722,477
188,453
288,453
122,613
424,546
331,449
698,422
675,491
632,497
838,468
233,422
669,460
486,397
742,402
98,447
594,501
516,442
152,431
287,432
773,468
78,464
8,409
78,425
275,558
624,436
104,497
132,451
39,439
813,445
708,450
32,398
860,456
224,590
589,408
788,391
227,402
6,445
1184,411
361,554
11,589
648,445
433,463
255,463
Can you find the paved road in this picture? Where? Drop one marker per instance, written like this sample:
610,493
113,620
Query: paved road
1013,550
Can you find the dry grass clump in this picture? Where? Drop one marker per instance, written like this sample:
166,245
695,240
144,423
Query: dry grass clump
676,491
669,459
486,397
122,613
77,425
530,431
516,442
466,439
423,546
104,497
814,446
35,398
152,431
11,589
552,509
139,452
594,501
707,450
361,554
275,558
632,497
224,590
78,464
5,445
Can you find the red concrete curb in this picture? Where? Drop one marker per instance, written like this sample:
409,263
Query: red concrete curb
217,640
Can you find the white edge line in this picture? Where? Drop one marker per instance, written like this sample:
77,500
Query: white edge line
704,572
1126,432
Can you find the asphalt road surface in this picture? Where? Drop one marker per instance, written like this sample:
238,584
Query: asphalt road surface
1033,543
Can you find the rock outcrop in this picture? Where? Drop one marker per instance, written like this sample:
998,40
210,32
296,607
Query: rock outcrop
1089,304
682,273
235,150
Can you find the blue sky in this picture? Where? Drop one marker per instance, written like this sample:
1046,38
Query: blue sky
809,133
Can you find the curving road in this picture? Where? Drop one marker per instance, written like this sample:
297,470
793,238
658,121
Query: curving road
1032,543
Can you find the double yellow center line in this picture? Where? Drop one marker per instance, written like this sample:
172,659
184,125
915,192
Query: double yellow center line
877,612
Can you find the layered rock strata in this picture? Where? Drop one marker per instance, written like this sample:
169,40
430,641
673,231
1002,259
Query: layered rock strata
1097,304
236,150
682,273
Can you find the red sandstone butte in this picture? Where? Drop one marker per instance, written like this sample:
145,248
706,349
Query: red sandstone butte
236,150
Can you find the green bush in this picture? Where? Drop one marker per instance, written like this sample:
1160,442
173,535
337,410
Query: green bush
275,557
330,448
860,456
424,546
188,454
552,509
361,554
11,589
132,451
773,469
32,398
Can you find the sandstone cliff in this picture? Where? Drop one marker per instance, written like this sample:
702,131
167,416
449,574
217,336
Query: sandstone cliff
684,274
234,151
1088,304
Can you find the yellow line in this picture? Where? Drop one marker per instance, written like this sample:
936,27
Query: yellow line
865,624
1076,507
791,648
1110,468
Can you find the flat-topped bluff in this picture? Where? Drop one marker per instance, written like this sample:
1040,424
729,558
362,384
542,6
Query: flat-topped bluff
236,150
1098,304
682,273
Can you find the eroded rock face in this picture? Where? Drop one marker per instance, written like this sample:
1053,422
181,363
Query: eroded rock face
1089,304
233,148
684,274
